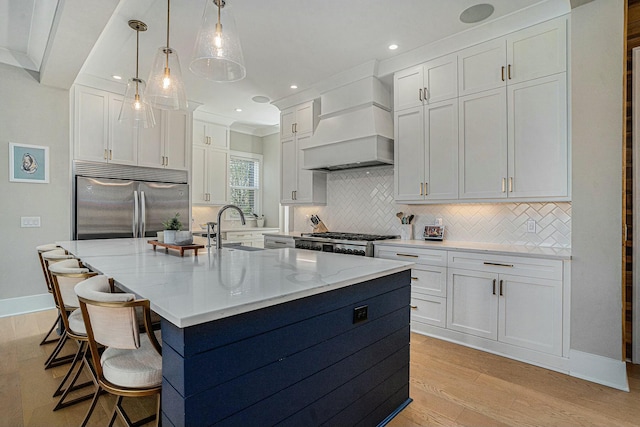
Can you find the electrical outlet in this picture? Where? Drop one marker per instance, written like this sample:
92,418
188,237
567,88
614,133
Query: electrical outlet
29,221
531,226
360,314
438,221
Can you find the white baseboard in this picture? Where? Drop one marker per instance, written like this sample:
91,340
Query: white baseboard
599,369
23,305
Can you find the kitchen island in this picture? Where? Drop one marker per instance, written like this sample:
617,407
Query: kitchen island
286,336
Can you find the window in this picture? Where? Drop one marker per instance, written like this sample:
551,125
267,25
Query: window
245,173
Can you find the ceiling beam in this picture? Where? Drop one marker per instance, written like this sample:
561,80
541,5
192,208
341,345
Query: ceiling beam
75,30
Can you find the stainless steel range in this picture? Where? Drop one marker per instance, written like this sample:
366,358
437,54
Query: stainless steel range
341,243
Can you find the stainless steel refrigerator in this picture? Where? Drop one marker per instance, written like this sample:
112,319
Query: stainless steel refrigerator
114,208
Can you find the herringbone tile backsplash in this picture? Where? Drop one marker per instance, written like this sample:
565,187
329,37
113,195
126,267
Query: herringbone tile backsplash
361,200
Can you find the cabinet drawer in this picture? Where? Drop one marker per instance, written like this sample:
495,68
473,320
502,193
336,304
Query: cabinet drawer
429,280
428,309
504,264
417,255
272,242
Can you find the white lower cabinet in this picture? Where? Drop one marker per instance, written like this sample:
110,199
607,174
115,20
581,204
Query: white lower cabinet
277,242
254,238
512,305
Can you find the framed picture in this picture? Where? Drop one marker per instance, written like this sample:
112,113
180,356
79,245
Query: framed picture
434,232
28,163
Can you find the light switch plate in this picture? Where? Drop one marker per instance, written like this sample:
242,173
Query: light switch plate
29,221
531,226
438,221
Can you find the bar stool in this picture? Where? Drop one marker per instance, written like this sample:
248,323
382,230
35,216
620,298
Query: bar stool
46,248
49,258
65,275
131,364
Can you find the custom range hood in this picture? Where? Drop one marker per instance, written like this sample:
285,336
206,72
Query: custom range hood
355,128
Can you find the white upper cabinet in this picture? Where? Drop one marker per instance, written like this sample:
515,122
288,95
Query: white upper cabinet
210,134
431,82
210,163
299,186
91,124
165,145
482,67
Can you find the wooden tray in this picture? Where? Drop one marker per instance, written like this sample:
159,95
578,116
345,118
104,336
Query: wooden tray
180,248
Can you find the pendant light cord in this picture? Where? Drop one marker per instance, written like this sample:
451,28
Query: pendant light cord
168,17
137,53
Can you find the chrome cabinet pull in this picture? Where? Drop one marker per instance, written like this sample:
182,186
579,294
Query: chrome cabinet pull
504,183
510,184
497,264
501,294
502,73
494,286
425,94
407,255
420,94
509,72
110,154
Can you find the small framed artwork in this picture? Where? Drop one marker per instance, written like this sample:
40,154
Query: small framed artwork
28,163
434,232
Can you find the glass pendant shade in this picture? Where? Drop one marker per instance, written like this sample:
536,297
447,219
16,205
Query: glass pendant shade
135,109
165,89
217,53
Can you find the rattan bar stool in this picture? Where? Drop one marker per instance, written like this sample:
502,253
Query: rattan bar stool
65,276
41,249
131,364
49,258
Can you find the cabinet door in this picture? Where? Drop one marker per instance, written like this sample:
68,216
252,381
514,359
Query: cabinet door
304,183
537,51
530,313
441,140
429,280
406,86
483,145
429,310
441,79
91,118
150,144
175,139
482,67
218,176
409,155
538,157
199,190
217,134
288,167
304,118
472,303
287,119
123,137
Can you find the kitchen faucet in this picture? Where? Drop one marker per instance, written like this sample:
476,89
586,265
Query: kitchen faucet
219,233
210,229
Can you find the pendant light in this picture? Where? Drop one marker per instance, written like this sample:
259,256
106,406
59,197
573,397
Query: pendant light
135,107
165,89
218,54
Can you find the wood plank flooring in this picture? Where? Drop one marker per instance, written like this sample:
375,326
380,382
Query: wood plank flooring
451,386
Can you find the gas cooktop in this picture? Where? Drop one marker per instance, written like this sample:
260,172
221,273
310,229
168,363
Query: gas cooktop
350,236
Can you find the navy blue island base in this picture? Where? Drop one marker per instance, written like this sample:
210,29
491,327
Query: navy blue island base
307,362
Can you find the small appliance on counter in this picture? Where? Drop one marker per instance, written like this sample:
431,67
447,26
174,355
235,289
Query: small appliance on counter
434,232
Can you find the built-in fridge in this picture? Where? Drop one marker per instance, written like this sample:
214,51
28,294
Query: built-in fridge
116,208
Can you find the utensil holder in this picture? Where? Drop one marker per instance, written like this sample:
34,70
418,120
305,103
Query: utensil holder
320,228
406,232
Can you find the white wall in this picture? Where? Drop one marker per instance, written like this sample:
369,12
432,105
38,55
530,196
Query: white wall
245,142
271,186
597,61
31,114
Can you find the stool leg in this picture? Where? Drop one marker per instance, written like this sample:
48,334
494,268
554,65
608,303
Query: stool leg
46,339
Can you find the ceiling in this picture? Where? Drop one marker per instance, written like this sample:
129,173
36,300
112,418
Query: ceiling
285,42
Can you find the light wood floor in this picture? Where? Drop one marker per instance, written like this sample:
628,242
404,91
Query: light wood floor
451,385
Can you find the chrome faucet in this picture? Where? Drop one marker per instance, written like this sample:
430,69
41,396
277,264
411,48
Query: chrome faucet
219,233
210,229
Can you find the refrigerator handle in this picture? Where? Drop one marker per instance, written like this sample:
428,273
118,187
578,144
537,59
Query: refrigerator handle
143,215
135,214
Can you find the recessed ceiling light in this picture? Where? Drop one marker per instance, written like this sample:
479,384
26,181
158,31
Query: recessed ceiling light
238,110
117,77
294,86
476,13
261,99
393,46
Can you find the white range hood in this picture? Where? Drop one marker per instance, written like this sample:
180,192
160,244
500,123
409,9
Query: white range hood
355,128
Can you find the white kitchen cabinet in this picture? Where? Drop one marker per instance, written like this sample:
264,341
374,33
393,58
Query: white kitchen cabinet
299,186
524,55
249,237
209,176
210,134
427,160
277,242
513,300
122,146
431,82
165,145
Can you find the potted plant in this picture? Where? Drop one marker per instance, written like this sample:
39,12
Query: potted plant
171,227
259,219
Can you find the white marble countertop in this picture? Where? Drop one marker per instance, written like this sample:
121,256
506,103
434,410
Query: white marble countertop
534,251
191,290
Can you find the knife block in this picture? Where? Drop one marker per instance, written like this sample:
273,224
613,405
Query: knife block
320,228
